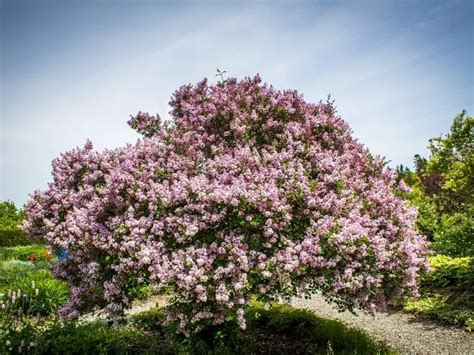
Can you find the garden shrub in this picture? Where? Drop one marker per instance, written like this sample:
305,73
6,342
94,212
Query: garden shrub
455,233
12,237
248,191
450,272
10,223
447,293
449,308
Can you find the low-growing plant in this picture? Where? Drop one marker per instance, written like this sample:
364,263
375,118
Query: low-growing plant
20,275
13,270
279,330
312,332
44,298
450,309
97,338
19,320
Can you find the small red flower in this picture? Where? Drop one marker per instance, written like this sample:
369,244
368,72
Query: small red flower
32,257
47,256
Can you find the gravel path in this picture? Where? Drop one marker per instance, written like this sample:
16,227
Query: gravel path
402,331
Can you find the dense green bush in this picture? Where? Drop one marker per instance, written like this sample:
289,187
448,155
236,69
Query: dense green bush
455,233
10,222
447,308
12,237
447,293
10,217
450,272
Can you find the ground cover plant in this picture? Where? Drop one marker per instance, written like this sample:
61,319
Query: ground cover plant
248,192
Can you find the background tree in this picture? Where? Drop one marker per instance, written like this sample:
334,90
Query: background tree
444,189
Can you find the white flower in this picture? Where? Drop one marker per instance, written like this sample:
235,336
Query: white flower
191,230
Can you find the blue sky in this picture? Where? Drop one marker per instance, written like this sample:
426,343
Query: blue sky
71,70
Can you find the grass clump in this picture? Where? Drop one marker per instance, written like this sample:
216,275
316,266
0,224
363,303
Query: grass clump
97,338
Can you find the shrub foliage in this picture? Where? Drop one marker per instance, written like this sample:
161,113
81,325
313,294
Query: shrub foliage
10,222
247,191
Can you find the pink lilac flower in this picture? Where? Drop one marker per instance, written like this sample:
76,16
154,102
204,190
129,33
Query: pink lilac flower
249,191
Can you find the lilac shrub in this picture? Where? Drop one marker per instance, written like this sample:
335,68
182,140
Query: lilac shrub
247,192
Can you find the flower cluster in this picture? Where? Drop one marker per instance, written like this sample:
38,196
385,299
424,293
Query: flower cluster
145,124
46,256
249,192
